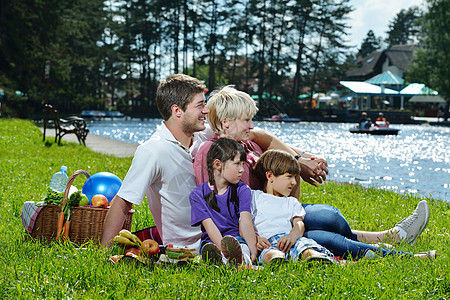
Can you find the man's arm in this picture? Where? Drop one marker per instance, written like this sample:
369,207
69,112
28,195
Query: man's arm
114,220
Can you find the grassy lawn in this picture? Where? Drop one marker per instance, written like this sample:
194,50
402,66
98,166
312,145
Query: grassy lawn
33,270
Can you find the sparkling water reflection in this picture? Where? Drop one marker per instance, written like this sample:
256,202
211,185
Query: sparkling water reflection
415,161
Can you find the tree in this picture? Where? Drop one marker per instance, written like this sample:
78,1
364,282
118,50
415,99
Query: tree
405,28
331,31
370,44
64,32
431,65
302,9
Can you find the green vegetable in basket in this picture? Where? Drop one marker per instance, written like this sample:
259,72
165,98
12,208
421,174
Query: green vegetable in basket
52,197
74,199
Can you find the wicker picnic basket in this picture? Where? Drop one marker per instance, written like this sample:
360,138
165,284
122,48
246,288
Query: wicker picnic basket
86,222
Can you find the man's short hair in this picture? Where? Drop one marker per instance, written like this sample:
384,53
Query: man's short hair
230,104
177,89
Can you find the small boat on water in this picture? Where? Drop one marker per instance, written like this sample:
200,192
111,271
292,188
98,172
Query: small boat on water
375,130
97,114
281,118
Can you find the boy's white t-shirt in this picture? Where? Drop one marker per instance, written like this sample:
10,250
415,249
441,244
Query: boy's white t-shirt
162,169
273,215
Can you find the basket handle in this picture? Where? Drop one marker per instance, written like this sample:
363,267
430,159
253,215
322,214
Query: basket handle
69,184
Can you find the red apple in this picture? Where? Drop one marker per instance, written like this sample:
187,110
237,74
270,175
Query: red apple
99,200
150,247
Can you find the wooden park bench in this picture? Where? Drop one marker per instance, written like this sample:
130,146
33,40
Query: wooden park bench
75,125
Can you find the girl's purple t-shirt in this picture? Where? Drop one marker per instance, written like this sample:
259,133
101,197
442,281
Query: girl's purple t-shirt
227,221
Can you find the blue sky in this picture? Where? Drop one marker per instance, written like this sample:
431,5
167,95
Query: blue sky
375,15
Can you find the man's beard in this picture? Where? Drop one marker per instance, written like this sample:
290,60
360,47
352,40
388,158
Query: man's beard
191,127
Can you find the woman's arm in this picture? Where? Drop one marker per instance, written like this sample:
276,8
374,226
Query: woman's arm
213,232
200,168
248,232
269,141
313,169
286,242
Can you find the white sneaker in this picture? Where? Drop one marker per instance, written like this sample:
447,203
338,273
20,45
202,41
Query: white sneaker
432,254
415,223
370,255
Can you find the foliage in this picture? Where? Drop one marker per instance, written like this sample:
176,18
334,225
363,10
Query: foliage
113,53
63,32
56,271
431,65
405,28
370,44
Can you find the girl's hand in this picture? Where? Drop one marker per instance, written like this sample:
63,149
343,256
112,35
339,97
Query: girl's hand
285,243
262,243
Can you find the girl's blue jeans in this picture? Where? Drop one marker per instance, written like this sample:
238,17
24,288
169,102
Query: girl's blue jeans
327,226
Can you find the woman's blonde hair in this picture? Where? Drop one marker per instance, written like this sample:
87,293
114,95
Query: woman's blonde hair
277,161
229,104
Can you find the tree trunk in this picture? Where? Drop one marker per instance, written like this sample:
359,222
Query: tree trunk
316,62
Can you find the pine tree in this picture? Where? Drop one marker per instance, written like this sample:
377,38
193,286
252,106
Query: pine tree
370,44
405,27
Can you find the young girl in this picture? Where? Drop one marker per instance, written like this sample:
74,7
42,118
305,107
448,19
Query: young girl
222,207
278,218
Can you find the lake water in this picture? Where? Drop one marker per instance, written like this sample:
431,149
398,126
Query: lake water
417,160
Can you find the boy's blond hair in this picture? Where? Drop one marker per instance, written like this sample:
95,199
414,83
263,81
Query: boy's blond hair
229,104
277,161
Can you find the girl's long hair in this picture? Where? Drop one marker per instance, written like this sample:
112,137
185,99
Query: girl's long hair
223,149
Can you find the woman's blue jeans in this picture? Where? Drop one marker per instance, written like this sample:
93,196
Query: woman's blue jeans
327,226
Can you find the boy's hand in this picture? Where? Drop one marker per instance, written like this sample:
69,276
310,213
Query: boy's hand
285,243
262,243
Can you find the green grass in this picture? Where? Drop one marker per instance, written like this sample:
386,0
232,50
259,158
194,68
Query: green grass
51,270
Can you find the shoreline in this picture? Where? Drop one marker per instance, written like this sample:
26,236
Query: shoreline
97,143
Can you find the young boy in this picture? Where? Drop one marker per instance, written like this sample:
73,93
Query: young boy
278,219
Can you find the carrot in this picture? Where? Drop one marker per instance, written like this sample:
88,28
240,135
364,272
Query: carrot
66,230
60,225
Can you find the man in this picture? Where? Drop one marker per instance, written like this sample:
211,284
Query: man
362,121
162,167
381,121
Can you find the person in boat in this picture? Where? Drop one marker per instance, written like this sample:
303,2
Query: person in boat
230,116
381,121
368,124
362,121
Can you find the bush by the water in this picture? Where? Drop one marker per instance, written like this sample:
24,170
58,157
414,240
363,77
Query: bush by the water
31,269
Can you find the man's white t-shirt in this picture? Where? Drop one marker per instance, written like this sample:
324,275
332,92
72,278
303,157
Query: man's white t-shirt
162,168
273,215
